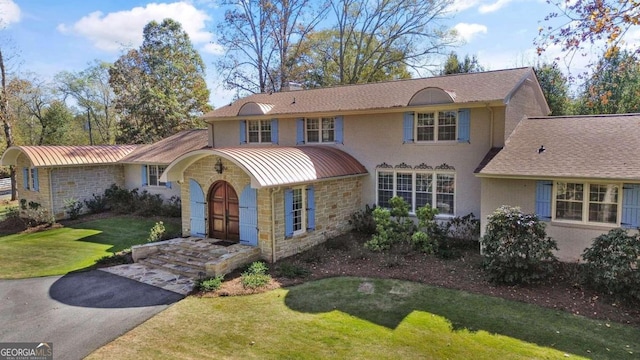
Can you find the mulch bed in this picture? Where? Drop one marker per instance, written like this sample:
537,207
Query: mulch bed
345,256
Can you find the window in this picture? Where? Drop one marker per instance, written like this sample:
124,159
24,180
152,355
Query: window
151,175
299,208
320,130
30,180
436,126
259,131
587,202
417,188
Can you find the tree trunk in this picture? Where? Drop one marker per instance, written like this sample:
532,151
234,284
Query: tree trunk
4,114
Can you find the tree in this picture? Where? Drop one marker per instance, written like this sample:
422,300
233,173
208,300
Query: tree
578,24
318,65
55,121
262,39
453,65
6,124
554,86
613,87
91,90
384,32
160,88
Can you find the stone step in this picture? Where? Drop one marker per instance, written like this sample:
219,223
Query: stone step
203,253
181,259
177,269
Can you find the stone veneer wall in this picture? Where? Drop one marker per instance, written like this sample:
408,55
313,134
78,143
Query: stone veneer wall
43,196
335,201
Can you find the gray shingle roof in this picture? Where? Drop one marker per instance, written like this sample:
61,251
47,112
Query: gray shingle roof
168,149
472,87
597,147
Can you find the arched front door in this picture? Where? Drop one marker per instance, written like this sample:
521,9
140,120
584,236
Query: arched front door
223,212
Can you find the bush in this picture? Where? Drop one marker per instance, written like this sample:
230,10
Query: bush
210,284
516,247
613,264
120,200
96,205
392,225
464,228
255,276
147,204
34,215
426,239
362,220
157,232
122,257
73,208
172,207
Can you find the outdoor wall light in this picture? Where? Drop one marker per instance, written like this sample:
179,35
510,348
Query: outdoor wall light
219,167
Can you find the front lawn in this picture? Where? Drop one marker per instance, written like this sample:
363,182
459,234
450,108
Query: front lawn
74,247
357,318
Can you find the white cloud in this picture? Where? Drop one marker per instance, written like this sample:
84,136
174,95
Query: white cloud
461,5
111,31
489,8
9,12
468,31
213,48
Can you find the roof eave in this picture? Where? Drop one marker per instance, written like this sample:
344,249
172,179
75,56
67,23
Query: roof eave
540,177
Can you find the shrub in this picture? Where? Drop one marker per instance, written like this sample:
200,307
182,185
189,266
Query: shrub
210,284
172,207
362,220
426,238
73,207
464,228
122,257
157,232
392,225
291,271
147,204
516,247
96,205
613,264
34,214
255,276
120,200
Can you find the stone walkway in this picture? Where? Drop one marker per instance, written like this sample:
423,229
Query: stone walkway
156,277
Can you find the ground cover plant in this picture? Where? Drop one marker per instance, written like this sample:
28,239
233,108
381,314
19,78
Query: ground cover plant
73,247
366,318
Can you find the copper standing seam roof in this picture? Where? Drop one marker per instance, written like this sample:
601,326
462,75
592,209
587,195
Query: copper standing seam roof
275,166
591,147
168,149
467,88
47,156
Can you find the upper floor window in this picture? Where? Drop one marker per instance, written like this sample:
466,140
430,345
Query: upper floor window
434,126
417,188
320,130
259,131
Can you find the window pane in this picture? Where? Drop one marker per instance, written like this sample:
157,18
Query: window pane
385,188
604,213
603,203
265,131
447,125
313,130
161,169
425,126
424,190
253,129
153,175
328,130
297,209
569,198
404,187
445,187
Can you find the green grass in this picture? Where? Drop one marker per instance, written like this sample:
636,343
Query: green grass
62,250
338,319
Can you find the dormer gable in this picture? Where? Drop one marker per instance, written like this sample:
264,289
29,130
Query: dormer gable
254,108
432,96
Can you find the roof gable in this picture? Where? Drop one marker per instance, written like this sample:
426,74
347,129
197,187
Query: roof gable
596,147
461,88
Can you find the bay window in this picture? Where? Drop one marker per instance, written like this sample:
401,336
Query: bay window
417,188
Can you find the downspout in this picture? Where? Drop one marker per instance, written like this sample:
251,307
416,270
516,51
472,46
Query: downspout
53,213
491,125
273,224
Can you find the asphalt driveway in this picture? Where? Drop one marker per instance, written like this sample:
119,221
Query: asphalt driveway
77,312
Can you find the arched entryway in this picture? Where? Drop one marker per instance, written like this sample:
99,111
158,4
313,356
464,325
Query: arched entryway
224,219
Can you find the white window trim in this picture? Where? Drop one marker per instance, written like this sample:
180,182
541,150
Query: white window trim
434,194
260,141
320,141
303,214
585,203
435,127
159,183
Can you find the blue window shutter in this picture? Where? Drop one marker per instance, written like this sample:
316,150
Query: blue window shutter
464,125
630,206
299,131
25,178
168,184
339,130
311,209
544,190
288,213
243,131
408,128
36,181
274,131
143,176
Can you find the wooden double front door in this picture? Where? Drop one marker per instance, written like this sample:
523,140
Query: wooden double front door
224,212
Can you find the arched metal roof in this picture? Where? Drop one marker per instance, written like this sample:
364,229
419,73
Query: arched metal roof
275,166
48,156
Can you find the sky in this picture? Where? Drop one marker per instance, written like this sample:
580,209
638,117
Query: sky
67,35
